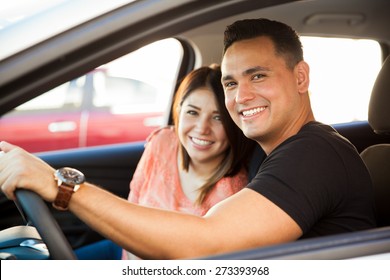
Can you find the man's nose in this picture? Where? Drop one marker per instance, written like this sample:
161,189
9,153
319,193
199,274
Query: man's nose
243,93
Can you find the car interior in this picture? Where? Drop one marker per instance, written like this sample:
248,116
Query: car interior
377,157
198,25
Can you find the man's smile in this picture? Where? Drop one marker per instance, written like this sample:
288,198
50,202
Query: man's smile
253,111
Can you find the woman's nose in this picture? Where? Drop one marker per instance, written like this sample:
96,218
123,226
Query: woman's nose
203,125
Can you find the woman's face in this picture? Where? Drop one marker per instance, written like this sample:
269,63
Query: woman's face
200,128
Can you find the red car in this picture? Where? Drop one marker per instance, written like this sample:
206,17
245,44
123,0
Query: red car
95,109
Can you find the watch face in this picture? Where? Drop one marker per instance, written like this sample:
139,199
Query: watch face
70,176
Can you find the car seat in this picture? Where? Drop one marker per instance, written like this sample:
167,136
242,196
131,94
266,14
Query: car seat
377,157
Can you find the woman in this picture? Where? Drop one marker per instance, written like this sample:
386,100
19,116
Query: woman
192,165
201,160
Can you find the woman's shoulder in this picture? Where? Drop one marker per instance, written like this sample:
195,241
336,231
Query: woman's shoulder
162,132
162,138
226,187
235,182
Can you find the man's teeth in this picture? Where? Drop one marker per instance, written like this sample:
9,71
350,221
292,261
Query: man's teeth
201,142
253,111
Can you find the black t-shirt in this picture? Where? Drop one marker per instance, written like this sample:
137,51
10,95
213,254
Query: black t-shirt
318,178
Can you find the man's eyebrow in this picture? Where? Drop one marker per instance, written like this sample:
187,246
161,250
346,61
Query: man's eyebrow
247,72
254,70
227,77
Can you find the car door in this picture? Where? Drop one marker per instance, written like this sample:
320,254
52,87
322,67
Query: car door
124,108
121,110
116,107
48,122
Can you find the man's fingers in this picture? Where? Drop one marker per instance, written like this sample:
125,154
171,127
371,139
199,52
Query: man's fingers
6,147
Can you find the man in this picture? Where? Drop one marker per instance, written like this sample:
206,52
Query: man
312,182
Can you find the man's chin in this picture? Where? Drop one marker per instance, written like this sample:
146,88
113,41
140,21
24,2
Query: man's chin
249,134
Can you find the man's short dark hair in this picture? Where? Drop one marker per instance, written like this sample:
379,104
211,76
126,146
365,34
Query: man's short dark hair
285,39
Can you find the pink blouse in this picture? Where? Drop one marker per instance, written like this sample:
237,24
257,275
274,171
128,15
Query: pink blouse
156,181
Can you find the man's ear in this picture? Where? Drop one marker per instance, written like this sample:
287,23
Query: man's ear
302,71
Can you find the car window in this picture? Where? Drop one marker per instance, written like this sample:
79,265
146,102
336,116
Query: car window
65,96
126,99
121,101
342,73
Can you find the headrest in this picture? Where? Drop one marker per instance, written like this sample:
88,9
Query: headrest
379,108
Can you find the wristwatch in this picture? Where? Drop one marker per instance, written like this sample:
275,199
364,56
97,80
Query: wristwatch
69,181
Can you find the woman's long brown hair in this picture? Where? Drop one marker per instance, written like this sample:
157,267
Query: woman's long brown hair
240,147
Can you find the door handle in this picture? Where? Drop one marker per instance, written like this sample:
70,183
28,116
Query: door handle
62,126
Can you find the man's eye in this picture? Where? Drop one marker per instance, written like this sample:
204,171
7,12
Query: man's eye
230,84
257,76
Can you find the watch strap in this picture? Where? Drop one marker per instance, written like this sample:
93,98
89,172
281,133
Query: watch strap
63,197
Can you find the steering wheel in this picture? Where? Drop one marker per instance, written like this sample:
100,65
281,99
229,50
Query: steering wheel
32,206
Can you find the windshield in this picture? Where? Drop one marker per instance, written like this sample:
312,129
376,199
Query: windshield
24,23
13,11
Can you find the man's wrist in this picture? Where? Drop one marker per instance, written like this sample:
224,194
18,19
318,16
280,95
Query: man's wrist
69,181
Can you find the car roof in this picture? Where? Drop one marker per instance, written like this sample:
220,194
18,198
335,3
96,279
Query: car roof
347,18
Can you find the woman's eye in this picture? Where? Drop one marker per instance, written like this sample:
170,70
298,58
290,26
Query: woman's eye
218,118
192,112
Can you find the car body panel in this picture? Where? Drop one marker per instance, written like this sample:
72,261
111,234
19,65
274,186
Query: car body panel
62,129
79,50
76,115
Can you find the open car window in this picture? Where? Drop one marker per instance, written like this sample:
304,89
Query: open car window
342,71
119,102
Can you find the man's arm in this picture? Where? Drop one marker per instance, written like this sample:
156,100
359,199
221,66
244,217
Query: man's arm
244,220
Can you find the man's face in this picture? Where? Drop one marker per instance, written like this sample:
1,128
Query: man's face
261,93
